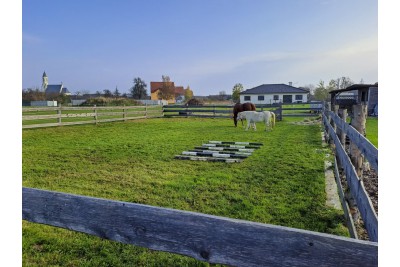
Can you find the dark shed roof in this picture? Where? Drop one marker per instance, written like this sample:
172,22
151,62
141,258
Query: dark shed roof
274,89
354,87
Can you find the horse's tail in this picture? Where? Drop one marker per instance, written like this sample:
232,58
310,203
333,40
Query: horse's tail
273,119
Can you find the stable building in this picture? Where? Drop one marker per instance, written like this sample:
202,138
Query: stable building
274,93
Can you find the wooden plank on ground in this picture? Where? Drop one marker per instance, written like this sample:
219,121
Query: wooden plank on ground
212,159
204,237
345,206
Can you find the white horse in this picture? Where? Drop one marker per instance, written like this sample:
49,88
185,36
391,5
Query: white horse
268,117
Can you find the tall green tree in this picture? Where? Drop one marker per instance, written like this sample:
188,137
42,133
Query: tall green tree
138,90
237,88
321,92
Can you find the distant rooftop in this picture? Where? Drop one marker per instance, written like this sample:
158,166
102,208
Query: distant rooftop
274,89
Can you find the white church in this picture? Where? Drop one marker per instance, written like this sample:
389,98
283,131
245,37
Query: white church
53,89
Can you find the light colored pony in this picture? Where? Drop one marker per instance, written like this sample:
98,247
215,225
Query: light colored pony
268,117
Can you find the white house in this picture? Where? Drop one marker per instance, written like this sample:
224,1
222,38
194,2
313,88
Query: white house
274,93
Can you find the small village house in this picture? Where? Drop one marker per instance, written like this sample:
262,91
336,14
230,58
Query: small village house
179,92
274,93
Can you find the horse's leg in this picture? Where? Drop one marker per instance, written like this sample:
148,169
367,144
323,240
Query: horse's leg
248,125
235,119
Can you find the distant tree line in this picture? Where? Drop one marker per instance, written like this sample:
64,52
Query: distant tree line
35,94
321,91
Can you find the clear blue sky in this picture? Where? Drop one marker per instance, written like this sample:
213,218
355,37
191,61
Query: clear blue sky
209,45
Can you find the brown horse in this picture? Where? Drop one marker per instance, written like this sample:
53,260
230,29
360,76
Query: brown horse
248,106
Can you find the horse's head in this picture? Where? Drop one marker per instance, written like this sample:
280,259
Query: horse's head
240,116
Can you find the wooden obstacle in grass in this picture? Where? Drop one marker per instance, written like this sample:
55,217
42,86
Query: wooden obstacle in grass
221,151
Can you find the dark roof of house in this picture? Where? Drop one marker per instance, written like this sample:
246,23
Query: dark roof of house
53,88
274,89
65,90
56,89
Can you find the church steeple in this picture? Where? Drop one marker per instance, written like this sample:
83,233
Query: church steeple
45,81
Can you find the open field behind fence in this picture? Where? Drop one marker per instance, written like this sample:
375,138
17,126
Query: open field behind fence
59,116
281,184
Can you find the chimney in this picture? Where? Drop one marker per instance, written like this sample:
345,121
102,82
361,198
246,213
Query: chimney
290,83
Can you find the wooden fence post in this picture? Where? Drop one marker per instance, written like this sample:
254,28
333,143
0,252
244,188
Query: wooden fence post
279,111
124,115
358,122
145,108
335,109
214,111
59,114
95,113
342,134
328,116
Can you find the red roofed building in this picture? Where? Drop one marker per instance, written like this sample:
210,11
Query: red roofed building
156,86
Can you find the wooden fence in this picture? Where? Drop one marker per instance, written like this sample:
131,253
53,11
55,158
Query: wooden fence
335,126
226,111
204,237
60,116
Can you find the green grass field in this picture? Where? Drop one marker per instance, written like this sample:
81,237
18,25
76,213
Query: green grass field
282,183
372,130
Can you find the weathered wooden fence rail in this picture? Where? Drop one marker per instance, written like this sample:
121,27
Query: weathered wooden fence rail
60,116
204,237
354,182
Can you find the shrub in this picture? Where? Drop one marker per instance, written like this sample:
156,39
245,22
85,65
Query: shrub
195,102
105,101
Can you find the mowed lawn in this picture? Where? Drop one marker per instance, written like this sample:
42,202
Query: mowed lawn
282,183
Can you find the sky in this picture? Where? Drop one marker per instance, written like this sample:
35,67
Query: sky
208,45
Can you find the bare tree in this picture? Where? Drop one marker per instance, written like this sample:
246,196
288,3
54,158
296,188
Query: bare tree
167,91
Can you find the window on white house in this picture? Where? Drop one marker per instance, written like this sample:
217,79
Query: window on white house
260,98
246,98
276,97
299,97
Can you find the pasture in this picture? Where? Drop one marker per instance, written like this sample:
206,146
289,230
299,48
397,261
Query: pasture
282,183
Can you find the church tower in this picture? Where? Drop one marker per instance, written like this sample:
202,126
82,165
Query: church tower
45,81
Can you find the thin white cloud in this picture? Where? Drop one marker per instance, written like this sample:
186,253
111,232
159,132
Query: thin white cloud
222,65
31,39
357,59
